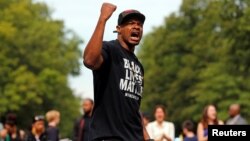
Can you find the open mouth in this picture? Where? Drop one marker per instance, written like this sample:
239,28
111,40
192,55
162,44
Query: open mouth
135,36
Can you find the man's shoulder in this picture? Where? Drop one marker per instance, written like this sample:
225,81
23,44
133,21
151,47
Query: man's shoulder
51,129
78,120
110,46
110,43
29,136
242,120
44,136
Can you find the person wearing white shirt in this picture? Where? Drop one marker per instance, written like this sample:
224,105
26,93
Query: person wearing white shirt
161,130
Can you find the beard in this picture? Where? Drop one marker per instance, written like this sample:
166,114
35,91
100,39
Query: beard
87,112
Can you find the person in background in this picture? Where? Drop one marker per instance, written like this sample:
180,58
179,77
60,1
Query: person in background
188,131
53,119
235,117
3,135
37,132
3,131
81,126
11,131
145,119
1,125
209,117
161,130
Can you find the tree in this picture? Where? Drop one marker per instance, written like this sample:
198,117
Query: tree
199,56
37,55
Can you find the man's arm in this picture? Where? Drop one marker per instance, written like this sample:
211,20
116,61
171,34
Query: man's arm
145,133
92,54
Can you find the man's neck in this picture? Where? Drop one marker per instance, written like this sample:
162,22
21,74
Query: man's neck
53,124
190,134
128,47
88,114
236,116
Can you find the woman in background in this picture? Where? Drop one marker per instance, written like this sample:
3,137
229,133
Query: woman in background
160,129
209,117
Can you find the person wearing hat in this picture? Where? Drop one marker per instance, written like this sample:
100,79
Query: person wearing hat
37,132
11,132
118,78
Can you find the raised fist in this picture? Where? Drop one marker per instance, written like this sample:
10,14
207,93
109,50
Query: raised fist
107,10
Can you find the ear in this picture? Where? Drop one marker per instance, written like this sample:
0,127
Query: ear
118,29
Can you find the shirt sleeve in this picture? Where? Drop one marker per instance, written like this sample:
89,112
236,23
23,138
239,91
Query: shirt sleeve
53,134
172,131
105,52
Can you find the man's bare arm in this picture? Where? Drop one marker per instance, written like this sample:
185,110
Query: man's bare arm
92,57
145,132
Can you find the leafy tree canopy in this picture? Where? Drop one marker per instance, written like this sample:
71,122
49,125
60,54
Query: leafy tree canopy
199,56
37,56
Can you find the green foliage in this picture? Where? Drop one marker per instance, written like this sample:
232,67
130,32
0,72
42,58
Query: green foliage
37,55
199,56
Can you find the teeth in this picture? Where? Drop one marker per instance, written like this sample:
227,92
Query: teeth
134,38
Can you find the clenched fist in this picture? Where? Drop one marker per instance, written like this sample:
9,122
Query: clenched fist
107,10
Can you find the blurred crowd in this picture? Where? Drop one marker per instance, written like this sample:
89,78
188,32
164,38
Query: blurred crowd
45,127
38,131
160,129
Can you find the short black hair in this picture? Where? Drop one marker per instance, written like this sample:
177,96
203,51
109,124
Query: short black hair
11,119
188,124
88,99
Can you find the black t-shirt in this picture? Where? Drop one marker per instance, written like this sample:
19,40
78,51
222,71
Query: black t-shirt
31,137
81,128
52,133
118,86
85,134
194,138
